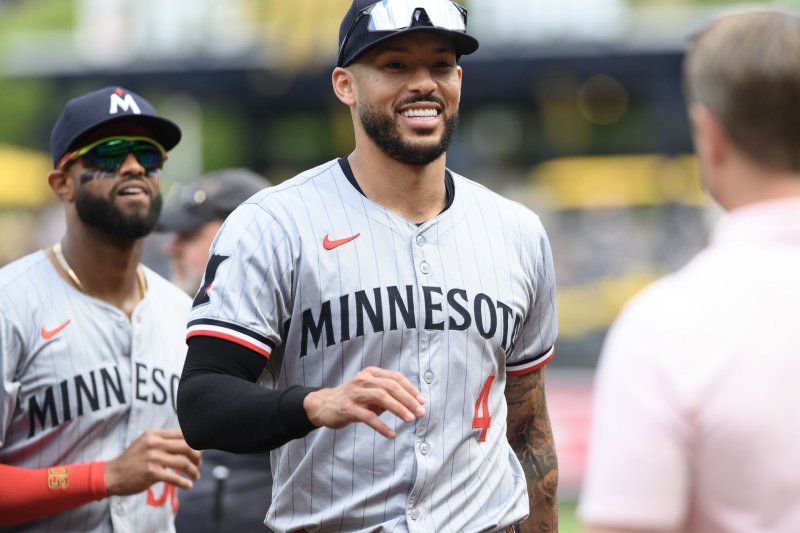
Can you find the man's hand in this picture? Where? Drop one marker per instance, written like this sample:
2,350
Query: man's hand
157,455
363,398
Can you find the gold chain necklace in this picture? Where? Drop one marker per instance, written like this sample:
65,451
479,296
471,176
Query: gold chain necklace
62,261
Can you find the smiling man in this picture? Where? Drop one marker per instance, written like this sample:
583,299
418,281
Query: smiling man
91,341
380,322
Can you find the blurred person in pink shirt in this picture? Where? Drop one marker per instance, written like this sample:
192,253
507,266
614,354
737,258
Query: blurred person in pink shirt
696,423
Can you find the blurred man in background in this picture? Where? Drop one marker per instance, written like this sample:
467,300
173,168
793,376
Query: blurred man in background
194,212
696,418
233,489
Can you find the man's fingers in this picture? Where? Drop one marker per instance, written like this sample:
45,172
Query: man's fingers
378,389
180,463
377,399
369,418
398,378
179,481
392,395
380,398
171,441
178,446
165,433
363,398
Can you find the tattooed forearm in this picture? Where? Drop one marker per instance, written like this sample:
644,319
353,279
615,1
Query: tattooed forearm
531,437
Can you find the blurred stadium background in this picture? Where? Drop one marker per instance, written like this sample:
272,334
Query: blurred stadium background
574,108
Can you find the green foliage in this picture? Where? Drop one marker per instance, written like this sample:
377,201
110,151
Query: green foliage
299,138
36,15
25,110
224,144
567,519
26,113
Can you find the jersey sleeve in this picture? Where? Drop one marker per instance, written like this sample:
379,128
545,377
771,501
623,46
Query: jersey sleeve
246,289
10,351
638,463
534,345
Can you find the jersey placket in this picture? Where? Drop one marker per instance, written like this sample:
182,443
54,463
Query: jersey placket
424,256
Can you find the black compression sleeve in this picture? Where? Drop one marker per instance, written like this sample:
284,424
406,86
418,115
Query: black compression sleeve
220,406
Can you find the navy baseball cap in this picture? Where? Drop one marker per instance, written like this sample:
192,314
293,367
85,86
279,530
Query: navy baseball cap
103,107
368,23
212,196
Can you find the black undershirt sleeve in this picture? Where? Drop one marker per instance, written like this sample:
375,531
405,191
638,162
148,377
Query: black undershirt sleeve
221,407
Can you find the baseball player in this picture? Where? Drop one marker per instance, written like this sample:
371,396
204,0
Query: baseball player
381,322
91,341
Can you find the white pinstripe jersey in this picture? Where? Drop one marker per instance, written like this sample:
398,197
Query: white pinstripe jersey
323,282
81,382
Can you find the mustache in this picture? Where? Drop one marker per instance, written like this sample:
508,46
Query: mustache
93,174
419,98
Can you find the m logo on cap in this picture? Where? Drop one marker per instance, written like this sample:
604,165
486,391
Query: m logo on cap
127,103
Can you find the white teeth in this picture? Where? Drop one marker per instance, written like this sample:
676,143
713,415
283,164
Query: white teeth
420,113
131,190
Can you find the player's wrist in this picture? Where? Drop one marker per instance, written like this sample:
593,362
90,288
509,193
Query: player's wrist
296,413
312,406
111,478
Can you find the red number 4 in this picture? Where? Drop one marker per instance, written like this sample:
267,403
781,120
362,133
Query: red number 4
482,418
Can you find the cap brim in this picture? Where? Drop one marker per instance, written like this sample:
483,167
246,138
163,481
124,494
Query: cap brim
178,219
163,130
464,44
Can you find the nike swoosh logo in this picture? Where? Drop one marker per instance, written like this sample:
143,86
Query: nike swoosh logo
330,245
48,334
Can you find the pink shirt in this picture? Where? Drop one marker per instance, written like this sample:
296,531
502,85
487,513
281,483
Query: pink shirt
696,421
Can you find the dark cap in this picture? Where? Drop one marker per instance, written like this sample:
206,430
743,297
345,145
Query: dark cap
86,113
212,196
361,40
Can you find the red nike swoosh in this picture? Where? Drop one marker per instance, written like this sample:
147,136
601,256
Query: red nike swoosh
330,245
48,334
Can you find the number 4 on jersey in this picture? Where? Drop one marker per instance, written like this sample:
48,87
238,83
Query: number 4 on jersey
482,418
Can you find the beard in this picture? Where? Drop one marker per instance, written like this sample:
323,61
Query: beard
382,129
102,214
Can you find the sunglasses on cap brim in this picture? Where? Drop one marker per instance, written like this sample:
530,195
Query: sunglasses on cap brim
107,155
393,15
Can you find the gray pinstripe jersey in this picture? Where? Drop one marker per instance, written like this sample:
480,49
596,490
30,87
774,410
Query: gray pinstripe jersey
81,382
324,282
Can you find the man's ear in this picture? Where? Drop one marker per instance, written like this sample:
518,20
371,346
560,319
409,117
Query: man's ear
343,85
710,138
61,183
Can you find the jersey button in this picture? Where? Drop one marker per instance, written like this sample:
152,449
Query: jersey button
428,377
424,268
420,240
413,514
424,448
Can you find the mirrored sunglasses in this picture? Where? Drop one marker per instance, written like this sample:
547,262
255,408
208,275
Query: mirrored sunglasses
107,155
393,15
